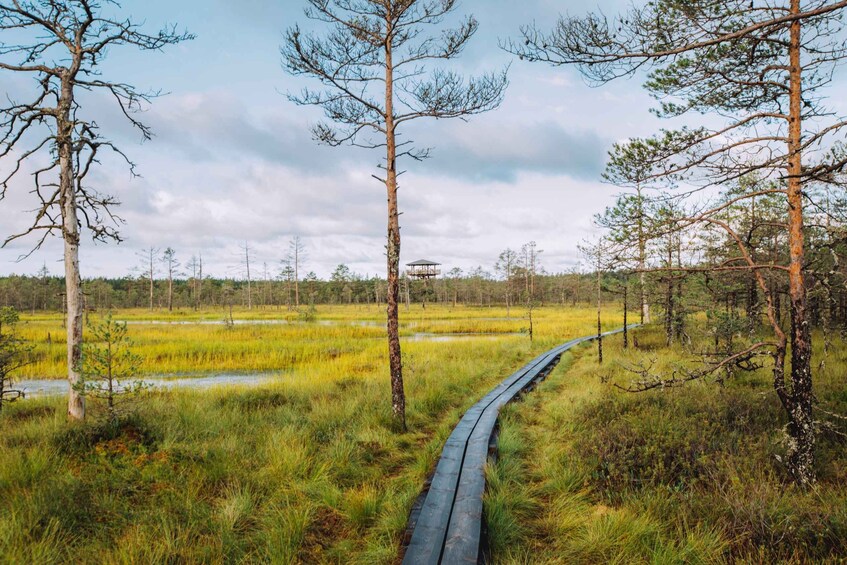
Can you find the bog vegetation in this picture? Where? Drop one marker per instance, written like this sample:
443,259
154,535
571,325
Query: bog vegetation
716,433
590,474
310,467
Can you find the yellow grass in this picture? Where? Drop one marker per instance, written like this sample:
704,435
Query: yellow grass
188,342
308,467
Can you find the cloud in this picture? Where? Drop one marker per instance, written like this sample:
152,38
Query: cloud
489,150
217,126
212,183
233,161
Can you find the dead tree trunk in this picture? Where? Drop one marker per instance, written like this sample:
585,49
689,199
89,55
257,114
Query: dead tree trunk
200,281
249,282
150,276
71,237
296,278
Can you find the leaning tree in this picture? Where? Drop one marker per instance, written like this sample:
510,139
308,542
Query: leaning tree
752,73
61,45
374,66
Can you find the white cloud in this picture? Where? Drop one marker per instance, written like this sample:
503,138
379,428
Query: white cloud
233,160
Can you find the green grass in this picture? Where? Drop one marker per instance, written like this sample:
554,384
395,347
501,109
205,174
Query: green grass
590,474
307,468
339,332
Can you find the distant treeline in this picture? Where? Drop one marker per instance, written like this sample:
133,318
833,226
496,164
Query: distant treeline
732,300
672,296
34,293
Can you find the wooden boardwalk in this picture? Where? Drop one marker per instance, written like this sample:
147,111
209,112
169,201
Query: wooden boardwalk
448,528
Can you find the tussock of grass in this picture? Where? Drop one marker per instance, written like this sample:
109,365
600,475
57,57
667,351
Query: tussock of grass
590,474
307,468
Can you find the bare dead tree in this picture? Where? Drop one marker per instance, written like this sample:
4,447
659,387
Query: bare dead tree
286,274
61,44
649,379
296,256
199,297
600,256
505,267
373,66
196,266
266,281
148,269
246,262
530,255
171,265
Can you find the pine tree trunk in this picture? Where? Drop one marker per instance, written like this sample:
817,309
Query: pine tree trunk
398,396
679,313
801,423
625,308
70,235
599,326
296,277
249,285
151,279
642,262
669,311
508,299
752,311
200,283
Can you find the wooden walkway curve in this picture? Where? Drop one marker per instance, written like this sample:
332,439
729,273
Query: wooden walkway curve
448,527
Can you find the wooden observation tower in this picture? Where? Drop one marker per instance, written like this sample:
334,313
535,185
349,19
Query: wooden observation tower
423,270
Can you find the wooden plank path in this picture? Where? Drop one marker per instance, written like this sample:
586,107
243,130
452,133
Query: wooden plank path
448,528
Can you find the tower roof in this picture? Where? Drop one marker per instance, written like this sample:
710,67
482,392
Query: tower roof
422,263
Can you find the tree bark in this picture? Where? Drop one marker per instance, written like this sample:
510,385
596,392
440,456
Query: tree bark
625,308
249,285
508,297
200,282
599,327
801,423
398,396
170,289
669,312
642,260
71,237
151,279
296,275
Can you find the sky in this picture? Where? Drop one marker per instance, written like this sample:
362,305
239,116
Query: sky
232,162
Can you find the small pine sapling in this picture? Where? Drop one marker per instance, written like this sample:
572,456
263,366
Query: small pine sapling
109,366
13,355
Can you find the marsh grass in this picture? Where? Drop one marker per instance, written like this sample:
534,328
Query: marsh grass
590,474
190,342
307,468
